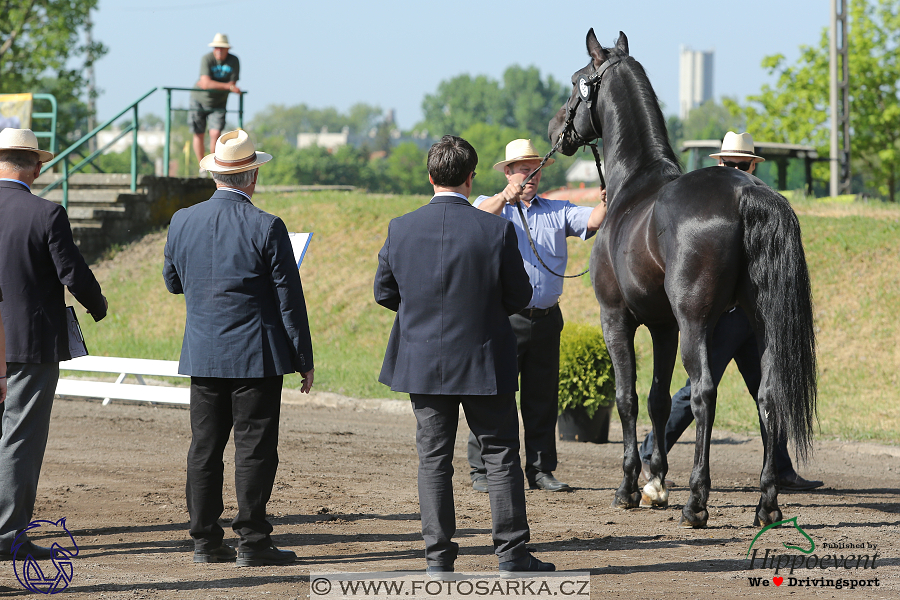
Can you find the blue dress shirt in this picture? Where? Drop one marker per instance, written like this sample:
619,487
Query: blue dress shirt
551,222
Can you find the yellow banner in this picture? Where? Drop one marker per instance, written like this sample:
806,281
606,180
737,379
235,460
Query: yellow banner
15,111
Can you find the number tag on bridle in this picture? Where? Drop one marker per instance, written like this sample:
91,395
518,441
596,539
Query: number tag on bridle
584,88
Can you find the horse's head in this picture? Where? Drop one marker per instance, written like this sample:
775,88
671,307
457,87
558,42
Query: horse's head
585,103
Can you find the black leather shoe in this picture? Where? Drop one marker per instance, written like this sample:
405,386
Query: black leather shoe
216,554
549,483
795,483
264,557
28,547
526,563
439,572
480,484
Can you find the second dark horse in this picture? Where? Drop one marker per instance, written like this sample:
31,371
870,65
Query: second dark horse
674,252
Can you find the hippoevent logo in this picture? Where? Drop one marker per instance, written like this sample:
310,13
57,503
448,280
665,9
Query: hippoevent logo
804,567
50,576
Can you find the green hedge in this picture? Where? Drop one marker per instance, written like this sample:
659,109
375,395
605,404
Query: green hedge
585,371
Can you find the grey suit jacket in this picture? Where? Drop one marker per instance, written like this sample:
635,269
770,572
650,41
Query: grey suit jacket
454,274
37,258
246,314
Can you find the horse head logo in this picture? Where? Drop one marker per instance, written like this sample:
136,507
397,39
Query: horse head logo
793,521
28,570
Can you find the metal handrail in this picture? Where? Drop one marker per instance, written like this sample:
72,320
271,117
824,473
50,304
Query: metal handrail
63,156
169,109
52,115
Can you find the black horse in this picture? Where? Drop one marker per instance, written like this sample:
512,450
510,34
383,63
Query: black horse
675,252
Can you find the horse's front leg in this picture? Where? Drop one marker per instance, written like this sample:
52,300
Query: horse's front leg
767,511
618,331
659,404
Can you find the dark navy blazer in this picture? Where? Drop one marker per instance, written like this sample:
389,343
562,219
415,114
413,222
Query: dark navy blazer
454,274
37,258
246,315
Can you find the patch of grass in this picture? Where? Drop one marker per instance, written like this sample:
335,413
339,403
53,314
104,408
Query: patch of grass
853,251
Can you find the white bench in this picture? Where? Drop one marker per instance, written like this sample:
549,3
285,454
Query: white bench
123,391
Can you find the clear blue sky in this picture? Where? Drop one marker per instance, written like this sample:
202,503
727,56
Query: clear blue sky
392,53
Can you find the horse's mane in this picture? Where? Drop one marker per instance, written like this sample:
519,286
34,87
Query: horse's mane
640,124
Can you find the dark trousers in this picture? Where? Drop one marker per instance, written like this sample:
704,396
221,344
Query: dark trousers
493,421
733,338
24,428
537,341
253,408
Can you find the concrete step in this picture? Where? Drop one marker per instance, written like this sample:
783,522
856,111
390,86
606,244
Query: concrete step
89,180
86,225
82,214
96,197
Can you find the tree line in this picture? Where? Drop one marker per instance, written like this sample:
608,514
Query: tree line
487,112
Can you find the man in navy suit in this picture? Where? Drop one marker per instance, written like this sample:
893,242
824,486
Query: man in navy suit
246,327
37,258
454,274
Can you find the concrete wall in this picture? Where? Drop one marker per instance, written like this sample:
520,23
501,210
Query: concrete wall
136,214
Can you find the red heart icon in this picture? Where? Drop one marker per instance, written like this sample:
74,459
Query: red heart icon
778,580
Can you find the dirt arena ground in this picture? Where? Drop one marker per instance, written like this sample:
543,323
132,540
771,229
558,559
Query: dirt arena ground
345,500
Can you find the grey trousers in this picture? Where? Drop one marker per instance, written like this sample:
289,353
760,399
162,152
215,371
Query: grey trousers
494,422
24,425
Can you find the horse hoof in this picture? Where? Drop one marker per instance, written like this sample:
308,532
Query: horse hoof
764,519
698,523
654,494
631,501
647,502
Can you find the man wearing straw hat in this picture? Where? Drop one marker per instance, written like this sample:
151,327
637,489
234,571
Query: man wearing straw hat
219,72
37,258
733,339
246,328
539,325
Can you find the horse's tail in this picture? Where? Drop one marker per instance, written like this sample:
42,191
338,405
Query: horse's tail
777,268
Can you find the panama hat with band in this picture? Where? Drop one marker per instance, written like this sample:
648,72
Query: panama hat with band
23,139
738,145
234,154
518,150
220,41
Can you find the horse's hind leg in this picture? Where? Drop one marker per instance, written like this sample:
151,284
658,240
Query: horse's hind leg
767,511
694,344
618,331
659,404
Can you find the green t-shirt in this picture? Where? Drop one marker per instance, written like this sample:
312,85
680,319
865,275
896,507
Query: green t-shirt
222,72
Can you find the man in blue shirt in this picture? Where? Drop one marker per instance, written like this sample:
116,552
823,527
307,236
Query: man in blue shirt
537,328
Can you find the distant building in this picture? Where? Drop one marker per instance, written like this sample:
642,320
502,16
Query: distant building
695,82
333,141
150,141
324,139
583,171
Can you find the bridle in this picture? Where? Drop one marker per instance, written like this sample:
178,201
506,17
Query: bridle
588,86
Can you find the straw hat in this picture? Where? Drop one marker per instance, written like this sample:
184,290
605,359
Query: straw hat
234,154
518,150
738,145
220,41
23,139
